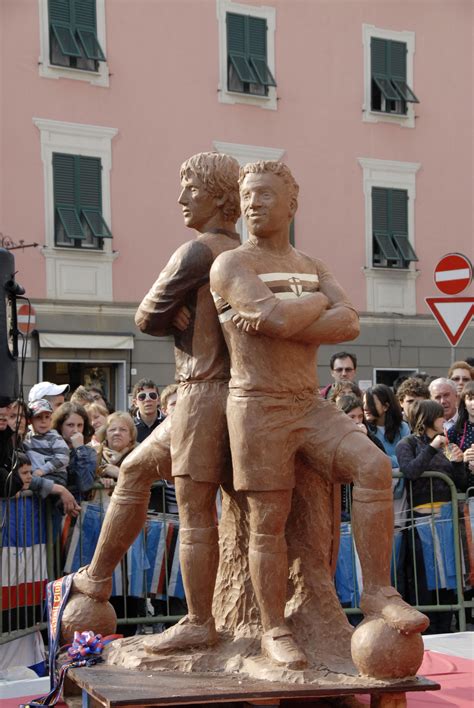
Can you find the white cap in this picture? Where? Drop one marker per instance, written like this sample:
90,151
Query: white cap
46,388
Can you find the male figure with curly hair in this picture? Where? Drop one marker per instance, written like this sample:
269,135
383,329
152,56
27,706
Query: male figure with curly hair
180,303
276,306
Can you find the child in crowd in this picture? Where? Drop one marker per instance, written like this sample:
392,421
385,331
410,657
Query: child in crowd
23,468
72,423
48,452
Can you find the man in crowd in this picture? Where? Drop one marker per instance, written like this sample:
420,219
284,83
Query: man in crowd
409,391
10,482
180,303
343,368
148,416
276,306
54,393
444,391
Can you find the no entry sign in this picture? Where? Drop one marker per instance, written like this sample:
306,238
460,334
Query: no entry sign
453,274
26,318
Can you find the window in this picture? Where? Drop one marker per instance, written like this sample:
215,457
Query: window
247,67
389,91
72,40
77,160
389,207
73,34
78,221
388,76
246,54
391,247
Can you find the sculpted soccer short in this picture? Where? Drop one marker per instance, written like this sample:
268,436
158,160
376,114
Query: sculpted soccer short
266,432
199,438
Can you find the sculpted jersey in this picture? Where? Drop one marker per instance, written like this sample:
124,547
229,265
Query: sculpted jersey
257,281
200,351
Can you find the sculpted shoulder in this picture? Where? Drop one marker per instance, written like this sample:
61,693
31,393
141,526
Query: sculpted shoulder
225,266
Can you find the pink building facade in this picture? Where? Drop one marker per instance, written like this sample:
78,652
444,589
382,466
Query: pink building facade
369,103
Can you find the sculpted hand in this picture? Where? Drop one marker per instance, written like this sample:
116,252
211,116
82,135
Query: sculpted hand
243,325
182,318
77,439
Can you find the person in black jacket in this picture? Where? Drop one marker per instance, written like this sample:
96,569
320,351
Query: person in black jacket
428,450
10,482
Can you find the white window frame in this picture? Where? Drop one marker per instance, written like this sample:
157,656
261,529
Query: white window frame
265,12
368,115
52,71
389,289
244,154
73,273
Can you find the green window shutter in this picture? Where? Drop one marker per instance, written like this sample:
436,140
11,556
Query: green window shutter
61,24
237,47
86,28
90,196
397,55
390,225
257,47
65,196
379,49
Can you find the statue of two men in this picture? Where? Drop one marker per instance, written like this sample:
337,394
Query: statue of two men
274,306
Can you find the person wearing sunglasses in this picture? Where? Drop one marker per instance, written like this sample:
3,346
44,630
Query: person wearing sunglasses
146,401
343,368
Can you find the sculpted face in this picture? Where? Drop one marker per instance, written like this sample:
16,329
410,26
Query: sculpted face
265,203
198,205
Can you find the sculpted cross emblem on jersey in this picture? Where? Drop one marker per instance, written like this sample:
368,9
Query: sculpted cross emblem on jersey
296,286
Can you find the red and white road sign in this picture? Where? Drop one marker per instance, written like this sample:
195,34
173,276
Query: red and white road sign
453,315
453,274
26,318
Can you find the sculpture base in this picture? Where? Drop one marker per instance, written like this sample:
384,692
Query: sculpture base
114,686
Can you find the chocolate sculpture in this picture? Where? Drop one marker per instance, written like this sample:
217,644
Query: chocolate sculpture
289,449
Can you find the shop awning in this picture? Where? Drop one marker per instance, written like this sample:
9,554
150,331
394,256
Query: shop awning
67,340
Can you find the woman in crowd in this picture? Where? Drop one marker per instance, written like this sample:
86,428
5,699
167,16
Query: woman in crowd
425,450
72,423
119,439
461,373
384,415
98,415
462,432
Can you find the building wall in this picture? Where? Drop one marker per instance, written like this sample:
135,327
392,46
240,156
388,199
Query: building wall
162,99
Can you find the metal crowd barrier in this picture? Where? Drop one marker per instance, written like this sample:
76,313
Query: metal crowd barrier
38,545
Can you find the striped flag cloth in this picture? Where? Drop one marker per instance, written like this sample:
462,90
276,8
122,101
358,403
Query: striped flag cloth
23,568
436,533
83,544
162,547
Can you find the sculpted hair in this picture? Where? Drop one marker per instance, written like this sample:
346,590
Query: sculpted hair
219,174
277,168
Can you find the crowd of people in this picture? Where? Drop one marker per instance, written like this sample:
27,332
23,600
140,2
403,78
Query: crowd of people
423,424
72,450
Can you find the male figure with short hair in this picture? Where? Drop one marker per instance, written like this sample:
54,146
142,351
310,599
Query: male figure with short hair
409,391
276,305
444,391
146,399
180,303
54,393
343,368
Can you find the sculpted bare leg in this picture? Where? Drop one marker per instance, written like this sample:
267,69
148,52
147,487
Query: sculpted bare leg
268,563
127,512
372,517
199,557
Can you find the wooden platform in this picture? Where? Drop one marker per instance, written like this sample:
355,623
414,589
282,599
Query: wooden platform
113,686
